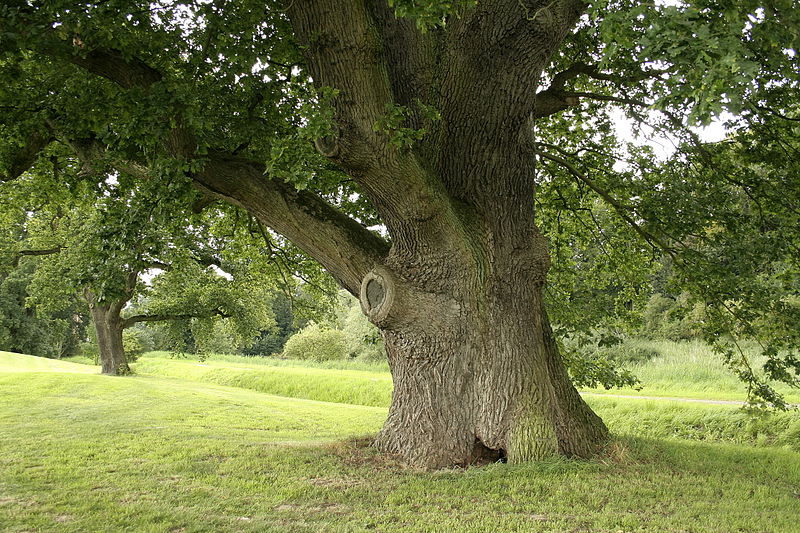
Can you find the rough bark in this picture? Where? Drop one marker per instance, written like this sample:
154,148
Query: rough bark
477,373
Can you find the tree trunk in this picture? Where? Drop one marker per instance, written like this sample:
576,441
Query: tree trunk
476,371
108,325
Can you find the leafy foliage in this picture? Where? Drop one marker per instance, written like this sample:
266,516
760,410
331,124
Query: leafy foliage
672,318
429,14
362,339
26,329
722,216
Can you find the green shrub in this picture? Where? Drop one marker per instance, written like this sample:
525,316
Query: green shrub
362,339
316,343
215,336
132,344
266,344
674,319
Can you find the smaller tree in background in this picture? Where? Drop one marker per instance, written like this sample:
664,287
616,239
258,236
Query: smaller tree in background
240,299
98,239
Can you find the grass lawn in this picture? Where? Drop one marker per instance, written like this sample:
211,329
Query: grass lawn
14,362
84,452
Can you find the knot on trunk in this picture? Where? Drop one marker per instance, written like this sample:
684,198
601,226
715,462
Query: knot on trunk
391,303
378,293
329,144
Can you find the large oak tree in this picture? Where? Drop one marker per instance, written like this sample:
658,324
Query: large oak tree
322,117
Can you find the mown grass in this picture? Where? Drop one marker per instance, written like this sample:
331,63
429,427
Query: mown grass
84,452
689,369
14,362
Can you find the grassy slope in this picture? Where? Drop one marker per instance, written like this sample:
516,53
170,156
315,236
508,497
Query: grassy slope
15,362
85,452
342,386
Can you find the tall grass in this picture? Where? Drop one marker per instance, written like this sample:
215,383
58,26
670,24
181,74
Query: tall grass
681,369
690,369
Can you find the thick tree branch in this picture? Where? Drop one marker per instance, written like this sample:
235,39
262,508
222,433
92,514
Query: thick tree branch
342,50
551,101
201,203
407,55
127,72
343,246
337,36
46,251
489,80
17,255
593,71
508,63
131,280
557,98
343,43
130,321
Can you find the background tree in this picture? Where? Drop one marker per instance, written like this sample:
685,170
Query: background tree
100,244
321,118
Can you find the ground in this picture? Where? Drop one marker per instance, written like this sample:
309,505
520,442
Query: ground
85,452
